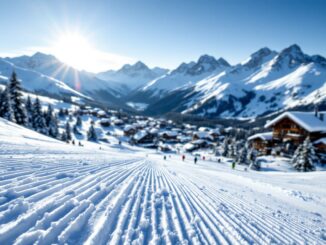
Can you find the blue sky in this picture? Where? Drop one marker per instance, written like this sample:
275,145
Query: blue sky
163,32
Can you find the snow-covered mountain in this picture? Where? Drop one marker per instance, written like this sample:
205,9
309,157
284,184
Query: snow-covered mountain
266,82
130,77
48,66
184,75
35,81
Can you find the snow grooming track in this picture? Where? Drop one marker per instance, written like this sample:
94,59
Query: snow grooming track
83,199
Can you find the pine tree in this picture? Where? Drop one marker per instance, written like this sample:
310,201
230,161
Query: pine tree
61,113
225,147
64,136
305,158
242,156
91,134
254,164
5,106
79,122
16,97
68,131
38,120
29,111
51,122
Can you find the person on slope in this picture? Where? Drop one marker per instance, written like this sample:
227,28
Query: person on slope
195,160
183,157
233,165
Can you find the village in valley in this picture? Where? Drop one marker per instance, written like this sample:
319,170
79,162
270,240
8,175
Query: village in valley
295,139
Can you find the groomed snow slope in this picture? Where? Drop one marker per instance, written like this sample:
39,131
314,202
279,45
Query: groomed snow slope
51,192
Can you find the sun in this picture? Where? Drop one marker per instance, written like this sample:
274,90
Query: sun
73,49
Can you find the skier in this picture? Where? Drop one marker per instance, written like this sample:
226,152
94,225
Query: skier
183,157
73,142
204,158
164,157
233,165
195,160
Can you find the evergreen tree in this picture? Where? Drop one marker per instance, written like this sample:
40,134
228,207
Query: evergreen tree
61,113
252,159
29,111
38,120
79,122
242,157
225,147
91,134
64,136
5,106
305,158
68,131
76,130
51,122
17,102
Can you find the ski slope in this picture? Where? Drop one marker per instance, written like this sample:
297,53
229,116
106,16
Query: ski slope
54,193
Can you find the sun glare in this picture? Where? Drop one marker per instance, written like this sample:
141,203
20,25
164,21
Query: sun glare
74,50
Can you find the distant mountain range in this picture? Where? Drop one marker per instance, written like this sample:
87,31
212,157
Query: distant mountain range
266,82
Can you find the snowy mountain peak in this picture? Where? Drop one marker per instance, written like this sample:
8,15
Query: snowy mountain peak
42,56
259,57
290,57
138,66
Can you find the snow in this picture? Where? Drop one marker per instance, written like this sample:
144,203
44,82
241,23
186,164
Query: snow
306,120
264,136
138,106
140,135
55,193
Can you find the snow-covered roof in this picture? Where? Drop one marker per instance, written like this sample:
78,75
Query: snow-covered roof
140,134
189,146
306,120
169,133
320,141
153,130
263,136
215,131
203,135
129,127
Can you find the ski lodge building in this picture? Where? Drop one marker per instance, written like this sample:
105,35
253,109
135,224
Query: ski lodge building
289,130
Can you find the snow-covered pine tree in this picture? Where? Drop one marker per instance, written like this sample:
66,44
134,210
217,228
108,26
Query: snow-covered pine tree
305,157
29,111
38,120
17,102
232,151
76,130
68,131
225,147
91,134
51,122
242,156
254,164
79,122
5,106
61,113
64,136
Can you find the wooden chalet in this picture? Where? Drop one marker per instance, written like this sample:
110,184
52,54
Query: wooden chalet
292,128
262,142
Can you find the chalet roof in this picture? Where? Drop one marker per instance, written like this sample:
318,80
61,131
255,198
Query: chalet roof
140,134
306,120
169,133
263,136
129,127
203,135
320,141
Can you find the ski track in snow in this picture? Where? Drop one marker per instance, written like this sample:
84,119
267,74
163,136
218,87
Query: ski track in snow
75,198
